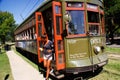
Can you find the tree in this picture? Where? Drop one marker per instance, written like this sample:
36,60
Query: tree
112,17
7,25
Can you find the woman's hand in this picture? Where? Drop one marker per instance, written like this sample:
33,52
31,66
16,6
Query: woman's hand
41,49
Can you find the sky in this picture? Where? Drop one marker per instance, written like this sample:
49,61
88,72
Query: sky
20,9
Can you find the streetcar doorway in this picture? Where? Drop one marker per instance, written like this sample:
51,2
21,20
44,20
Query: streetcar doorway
47,16
53,26
48,24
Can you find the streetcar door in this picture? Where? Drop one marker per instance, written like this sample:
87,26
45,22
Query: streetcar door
57,23
39,31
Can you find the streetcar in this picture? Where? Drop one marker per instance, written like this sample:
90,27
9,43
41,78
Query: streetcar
76,28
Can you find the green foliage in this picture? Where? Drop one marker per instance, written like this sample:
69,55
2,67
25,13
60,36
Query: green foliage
112,6
112,16
7,25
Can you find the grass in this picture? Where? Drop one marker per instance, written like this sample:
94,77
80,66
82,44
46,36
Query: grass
113,65
5,70
113,69
113,50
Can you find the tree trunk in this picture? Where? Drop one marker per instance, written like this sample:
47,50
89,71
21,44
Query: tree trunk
112,38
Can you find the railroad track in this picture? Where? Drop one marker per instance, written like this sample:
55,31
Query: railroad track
114,56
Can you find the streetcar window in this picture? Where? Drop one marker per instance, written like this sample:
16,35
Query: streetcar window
31,33
60,58
58,9
39,17
76,24
39,29
92,6
60,45
28,34
93,17
77,5
58,25
94,30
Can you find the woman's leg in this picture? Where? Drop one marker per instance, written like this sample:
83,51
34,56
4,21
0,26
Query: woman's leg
48,68
45,63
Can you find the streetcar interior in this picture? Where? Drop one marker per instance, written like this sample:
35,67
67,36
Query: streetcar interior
47,16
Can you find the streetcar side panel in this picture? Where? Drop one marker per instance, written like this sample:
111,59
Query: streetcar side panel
30,46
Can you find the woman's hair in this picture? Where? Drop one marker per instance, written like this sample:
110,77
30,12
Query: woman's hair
44,36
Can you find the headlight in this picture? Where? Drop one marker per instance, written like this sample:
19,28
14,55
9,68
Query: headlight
97,49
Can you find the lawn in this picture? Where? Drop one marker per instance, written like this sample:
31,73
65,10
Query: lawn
113,50
5,70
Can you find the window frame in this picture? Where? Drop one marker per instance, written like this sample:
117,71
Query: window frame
79,9
90,9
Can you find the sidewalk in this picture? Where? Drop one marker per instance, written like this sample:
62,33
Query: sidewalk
22,70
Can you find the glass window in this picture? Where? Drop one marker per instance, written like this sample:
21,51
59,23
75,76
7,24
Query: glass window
31,33
57,8
77,5
93,17
39,17
58,25
76,24
92,6
94,30
60,45
60,58
39,29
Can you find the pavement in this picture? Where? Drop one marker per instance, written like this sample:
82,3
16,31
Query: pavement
21,70
114,46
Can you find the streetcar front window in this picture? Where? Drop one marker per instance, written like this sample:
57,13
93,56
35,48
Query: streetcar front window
93,17
93,23
94,30
76,24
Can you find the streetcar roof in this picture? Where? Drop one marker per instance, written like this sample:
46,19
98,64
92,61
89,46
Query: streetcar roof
41,5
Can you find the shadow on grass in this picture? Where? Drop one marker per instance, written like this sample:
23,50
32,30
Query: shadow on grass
6,77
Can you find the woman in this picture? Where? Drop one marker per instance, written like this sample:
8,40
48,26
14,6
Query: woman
47,53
